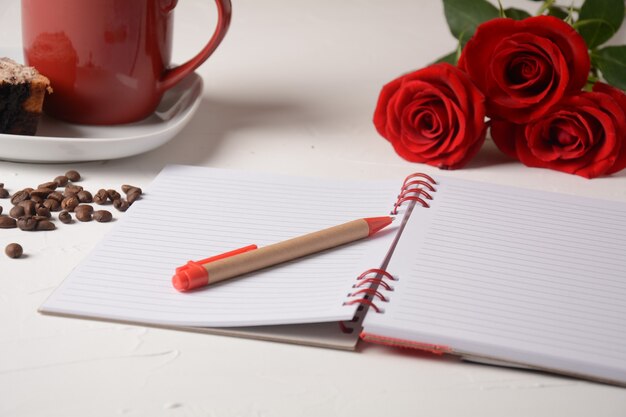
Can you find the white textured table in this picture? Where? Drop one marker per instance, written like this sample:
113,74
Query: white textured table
291,90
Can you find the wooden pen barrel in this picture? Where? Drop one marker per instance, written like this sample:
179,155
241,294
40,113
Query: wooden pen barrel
286,250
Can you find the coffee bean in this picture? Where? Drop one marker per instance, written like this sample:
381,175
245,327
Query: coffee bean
45,225
72,175
41,192
127,189
14,250
83,216
7,222
69,193
83,212
101,196
61,180
3,193
36,199
1,209
27,223
29,206
51,185
133,196
102,216
75,189
121,205
113,195
52,205
84,196
42,211
65,217
17,211
20,196
69,203
55,195
84,208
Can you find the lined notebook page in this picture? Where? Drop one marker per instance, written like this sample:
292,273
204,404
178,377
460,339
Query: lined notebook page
191,213
530,277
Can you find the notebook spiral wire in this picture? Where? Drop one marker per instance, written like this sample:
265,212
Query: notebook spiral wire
368,291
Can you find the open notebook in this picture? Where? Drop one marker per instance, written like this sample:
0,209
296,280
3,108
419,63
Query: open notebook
484,271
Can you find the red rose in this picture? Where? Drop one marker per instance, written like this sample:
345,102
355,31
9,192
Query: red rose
585,134
524,67
434,115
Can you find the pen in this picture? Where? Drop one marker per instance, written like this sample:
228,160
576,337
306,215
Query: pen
196,274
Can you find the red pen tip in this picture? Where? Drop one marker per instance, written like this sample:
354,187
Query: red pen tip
377,223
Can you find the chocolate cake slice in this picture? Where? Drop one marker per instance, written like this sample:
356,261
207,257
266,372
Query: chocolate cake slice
22,91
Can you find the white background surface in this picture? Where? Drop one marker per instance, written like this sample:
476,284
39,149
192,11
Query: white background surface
291,90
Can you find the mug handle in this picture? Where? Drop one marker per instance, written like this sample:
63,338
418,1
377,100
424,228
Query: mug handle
173,76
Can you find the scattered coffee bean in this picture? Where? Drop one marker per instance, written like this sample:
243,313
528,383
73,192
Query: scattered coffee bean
102,216
69,193
7,222
65,217
3,192
83,216
40,192
27,223
101,196
36,199
50,185
69,203
55,195
45,225
52,205
14,250
83,212
72,175
84,208
71,188
61,180
17,211
84,196
43,211
113,195
1,209
20,196
121,205
127,189
29,206
133,196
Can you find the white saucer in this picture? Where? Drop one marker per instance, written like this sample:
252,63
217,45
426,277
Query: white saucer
57,141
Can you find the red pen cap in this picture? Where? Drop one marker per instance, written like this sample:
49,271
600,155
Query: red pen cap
194,275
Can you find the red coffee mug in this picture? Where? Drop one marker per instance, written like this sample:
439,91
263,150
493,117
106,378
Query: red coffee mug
108,61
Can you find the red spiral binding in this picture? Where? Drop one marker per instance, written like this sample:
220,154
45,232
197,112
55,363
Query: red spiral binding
373,278
411,190
415,187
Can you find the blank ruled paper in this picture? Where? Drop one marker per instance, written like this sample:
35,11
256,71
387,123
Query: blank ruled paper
509,274
191,213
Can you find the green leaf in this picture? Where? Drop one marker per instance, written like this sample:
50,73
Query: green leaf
611,62
464,16
517,14
450,58
559,12
599,20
